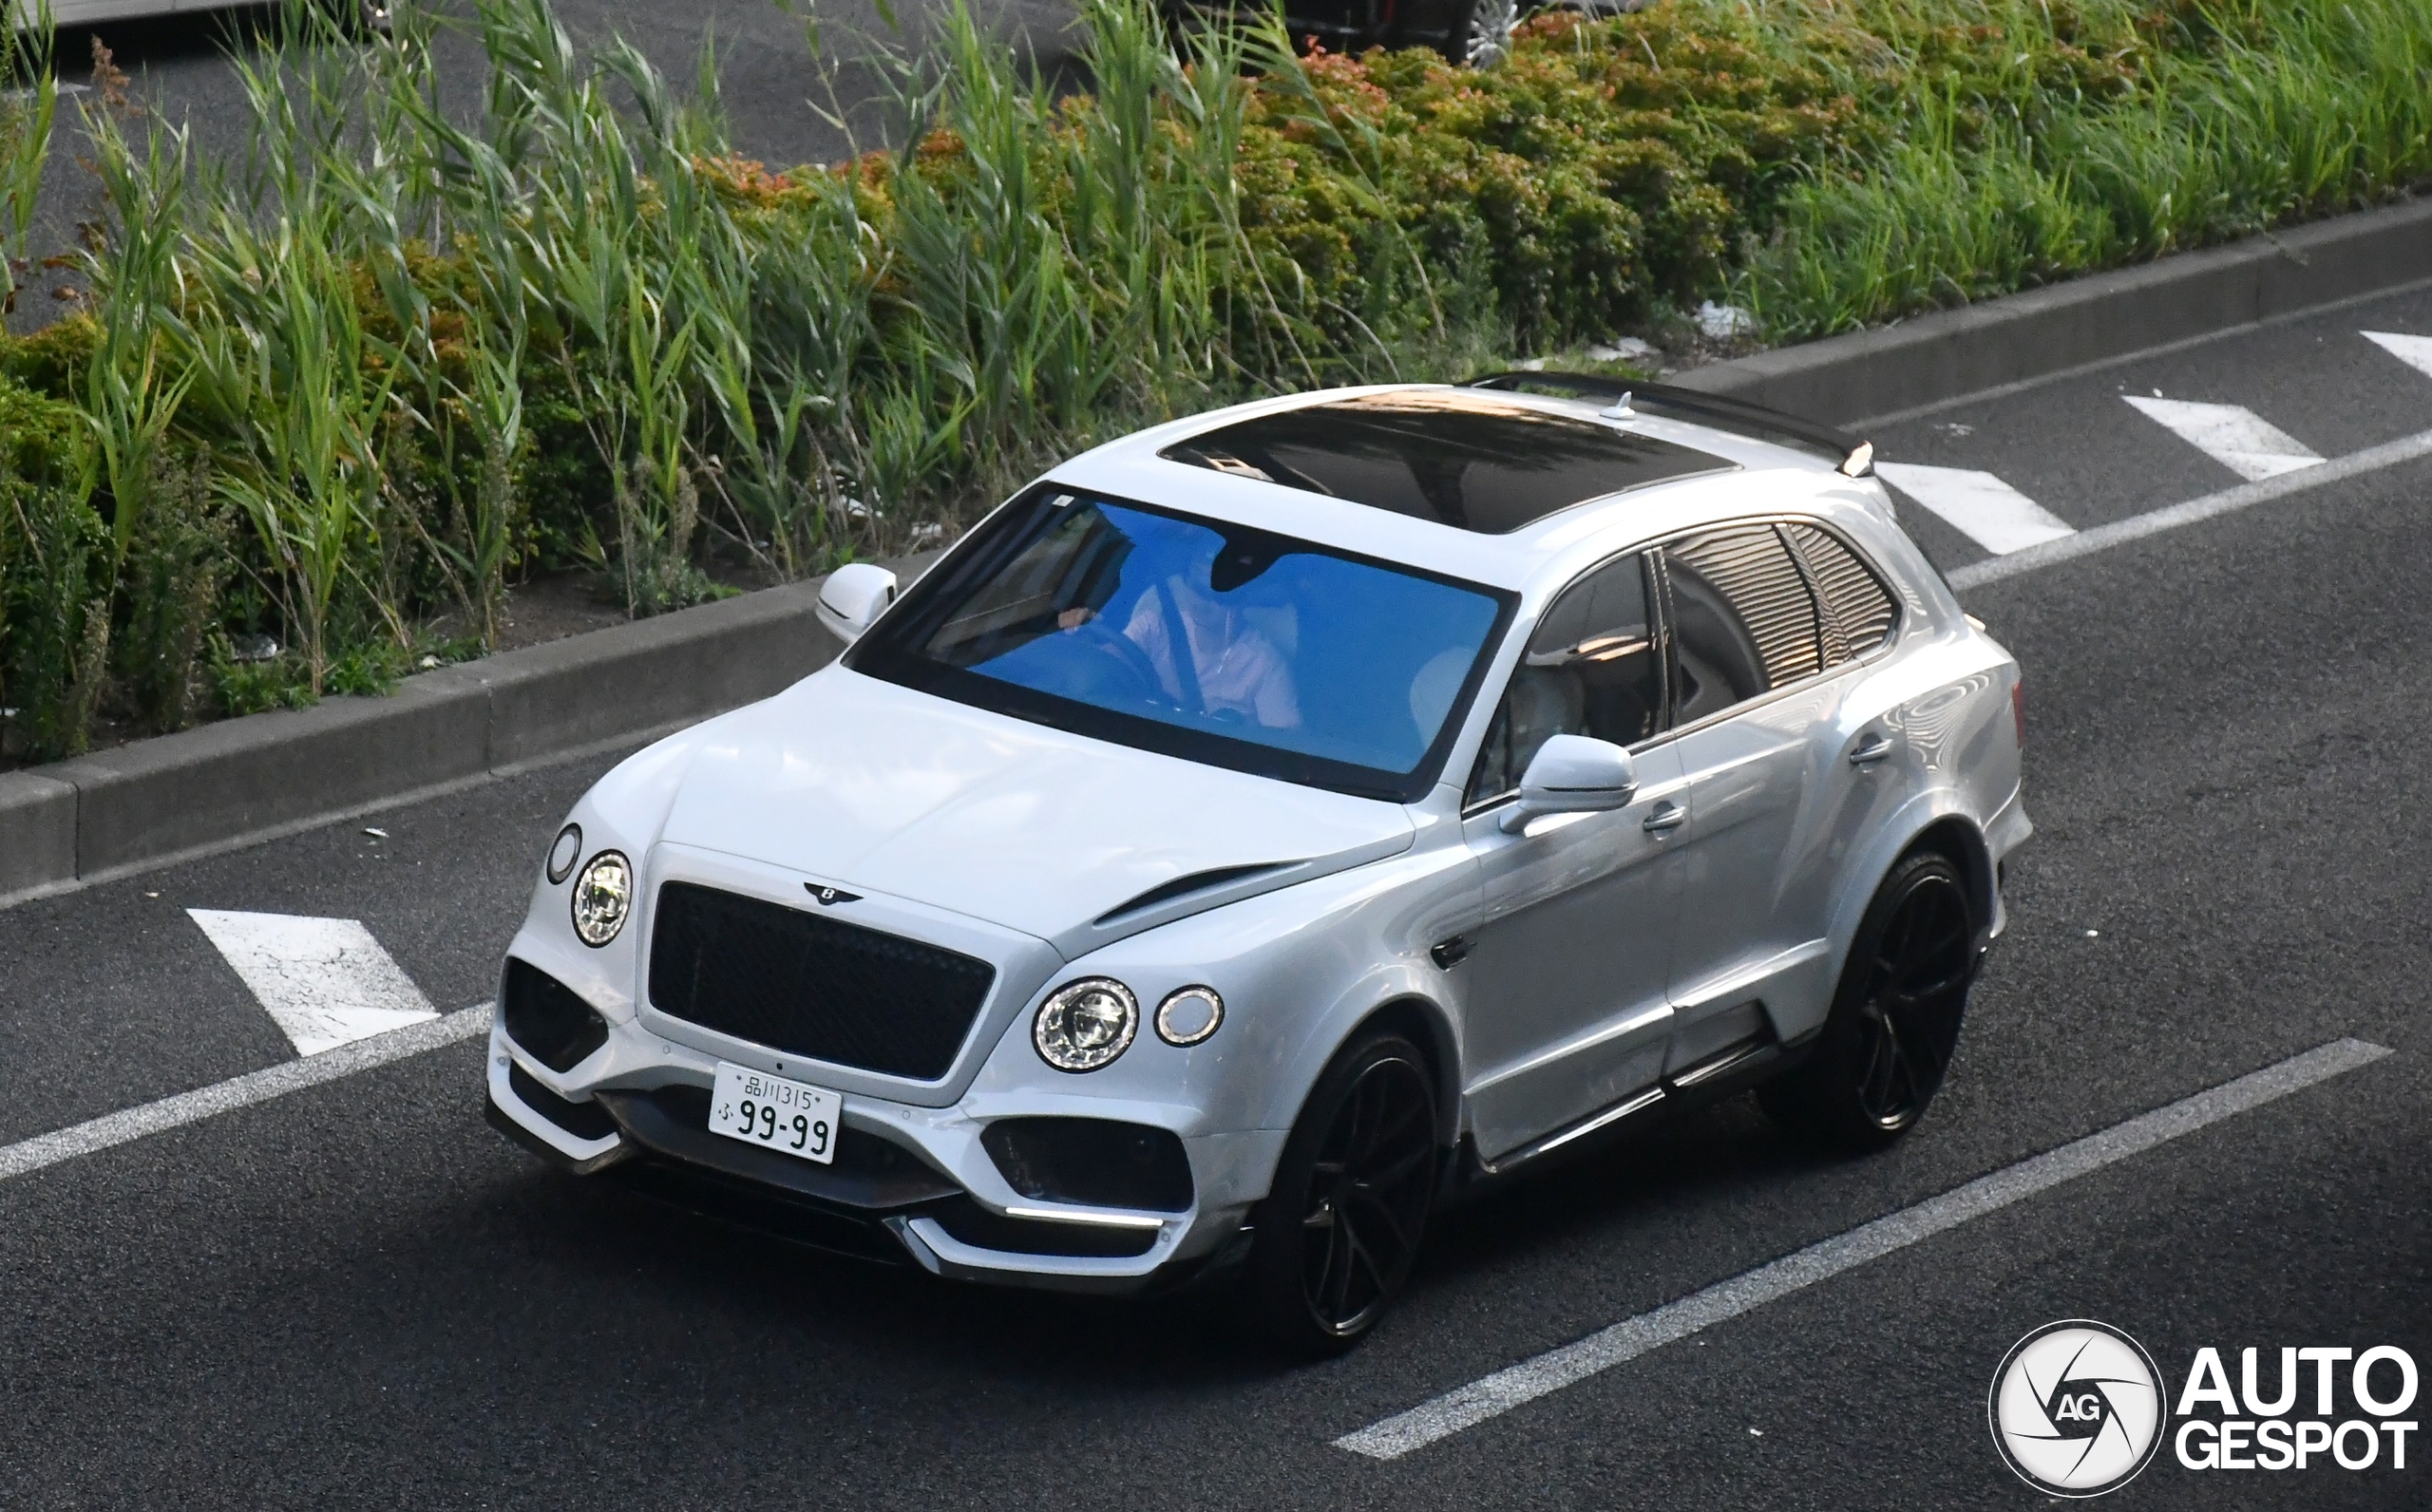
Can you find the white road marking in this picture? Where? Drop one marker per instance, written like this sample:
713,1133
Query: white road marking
326,981
1988,511
239,1092
2416,351
1500,1392
2233,435
2229,500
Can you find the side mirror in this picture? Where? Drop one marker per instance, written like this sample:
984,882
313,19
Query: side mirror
853,596
1573,774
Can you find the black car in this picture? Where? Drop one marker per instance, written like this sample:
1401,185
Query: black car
1477,33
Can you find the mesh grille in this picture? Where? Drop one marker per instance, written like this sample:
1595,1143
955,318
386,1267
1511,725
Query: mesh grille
1752,570
812,985
1858,609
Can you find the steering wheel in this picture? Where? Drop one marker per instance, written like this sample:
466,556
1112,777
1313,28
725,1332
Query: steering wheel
1119,651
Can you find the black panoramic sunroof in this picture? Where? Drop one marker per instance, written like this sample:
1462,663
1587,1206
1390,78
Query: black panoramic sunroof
1470,459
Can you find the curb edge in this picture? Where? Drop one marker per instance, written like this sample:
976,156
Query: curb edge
1959,353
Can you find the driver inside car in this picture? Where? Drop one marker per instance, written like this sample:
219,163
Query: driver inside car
1207,654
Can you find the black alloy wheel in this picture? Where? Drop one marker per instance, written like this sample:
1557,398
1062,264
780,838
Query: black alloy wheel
1895,1019
1338,1232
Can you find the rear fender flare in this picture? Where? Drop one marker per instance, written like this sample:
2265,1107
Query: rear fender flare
1937,816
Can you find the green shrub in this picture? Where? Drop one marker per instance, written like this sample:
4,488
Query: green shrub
43,439
1605,169
51,361
54,615
179,560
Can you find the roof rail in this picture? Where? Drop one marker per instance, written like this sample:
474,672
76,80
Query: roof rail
1854,456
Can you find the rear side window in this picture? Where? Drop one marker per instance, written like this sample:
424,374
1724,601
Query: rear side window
1743,620
1859,611
1593,667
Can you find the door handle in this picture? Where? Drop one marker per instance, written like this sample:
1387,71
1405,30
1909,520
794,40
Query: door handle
1667,815
1870,750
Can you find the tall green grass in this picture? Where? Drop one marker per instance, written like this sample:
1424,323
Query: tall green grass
2265,113
351,384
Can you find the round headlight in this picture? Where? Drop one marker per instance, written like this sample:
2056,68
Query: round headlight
1190,1014
564,853
602,896
1084,1024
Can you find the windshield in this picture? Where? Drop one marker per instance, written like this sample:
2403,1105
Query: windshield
1202,639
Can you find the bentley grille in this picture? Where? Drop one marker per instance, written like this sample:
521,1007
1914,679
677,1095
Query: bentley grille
813,985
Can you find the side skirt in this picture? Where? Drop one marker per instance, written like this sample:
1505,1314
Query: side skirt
1726,1073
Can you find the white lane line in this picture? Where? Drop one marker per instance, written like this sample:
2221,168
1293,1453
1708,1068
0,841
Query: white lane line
2416,351
1988,511
2229,500
1500,1392
2233,435
239,1092
326,981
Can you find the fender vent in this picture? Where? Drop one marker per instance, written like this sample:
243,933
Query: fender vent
1183,887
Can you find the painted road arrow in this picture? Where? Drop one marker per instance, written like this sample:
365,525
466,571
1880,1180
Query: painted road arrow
325,980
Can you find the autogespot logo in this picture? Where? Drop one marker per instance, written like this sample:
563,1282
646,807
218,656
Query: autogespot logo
2076,1407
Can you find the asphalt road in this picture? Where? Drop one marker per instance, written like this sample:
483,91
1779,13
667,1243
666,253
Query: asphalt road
359,1295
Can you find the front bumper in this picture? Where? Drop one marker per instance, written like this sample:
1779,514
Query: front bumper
908,1185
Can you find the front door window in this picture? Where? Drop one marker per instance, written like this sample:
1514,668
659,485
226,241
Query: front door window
1594,667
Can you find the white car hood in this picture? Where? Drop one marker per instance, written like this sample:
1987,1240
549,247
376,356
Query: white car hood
870,786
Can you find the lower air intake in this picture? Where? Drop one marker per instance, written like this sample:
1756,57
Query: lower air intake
1091,1161
543,1016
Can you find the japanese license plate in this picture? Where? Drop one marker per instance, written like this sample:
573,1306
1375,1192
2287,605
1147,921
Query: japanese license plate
770,1111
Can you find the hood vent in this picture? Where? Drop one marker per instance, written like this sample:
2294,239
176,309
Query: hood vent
1184,886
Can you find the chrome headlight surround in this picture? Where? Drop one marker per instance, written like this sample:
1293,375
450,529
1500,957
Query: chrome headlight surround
603,895
1190,1015
1085,1024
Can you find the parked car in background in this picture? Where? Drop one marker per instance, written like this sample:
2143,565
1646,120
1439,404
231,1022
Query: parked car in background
1278,823
370,16
1475,32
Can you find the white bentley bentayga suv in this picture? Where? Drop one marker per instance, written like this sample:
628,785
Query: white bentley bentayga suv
1279,824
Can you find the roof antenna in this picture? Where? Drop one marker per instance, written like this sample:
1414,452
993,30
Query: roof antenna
1621,409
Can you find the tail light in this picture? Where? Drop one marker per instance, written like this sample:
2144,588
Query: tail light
2017,708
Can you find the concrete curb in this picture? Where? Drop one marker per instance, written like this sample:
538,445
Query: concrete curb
1953,353
158,800
245,780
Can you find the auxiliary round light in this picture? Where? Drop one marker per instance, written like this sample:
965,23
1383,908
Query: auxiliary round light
1084,1024
1190,1014
602,896
565,852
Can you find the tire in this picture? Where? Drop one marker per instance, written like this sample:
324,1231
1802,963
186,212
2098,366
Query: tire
1481,33
1895,1017
1335,1235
